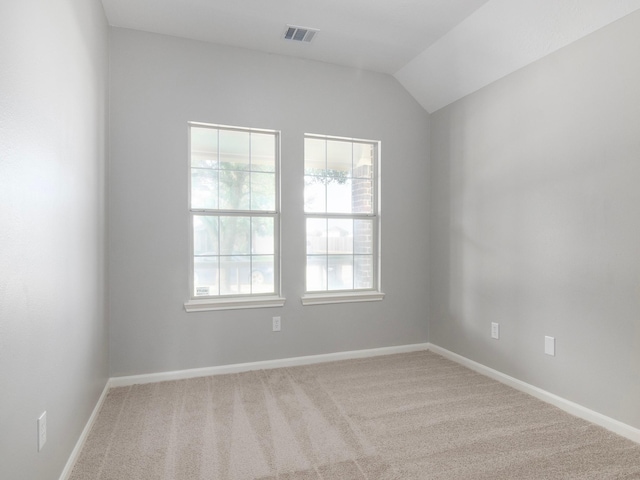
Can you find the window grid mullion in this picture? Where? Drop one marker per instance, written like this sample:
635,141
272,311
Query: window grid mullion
250,174
251,254
345,216
218,181
218,235
327,254
235,213
326,176
353,245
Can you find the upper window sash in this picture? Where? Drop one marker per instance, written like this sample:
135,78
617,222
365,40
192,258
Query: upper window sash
340,175
233,169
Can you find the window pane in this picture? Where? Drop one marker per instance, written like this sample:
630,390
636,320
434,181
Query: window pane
234,235
363,276
204,188
235,275
339,196
262,235
315,156
204,147
339,158
233,170
314,194
205,235
263,152
263,191
234,190
341,251
316,273
340,275
340,232
205,276
362,195
363,236
363,160
234,150
316,235
262,274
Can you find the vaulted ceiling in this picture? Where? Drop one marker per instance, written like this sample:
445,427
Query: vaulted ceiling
440,50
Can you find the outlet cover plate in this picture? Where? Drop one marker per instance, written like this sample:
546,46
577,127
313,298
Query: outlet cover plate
277,324
42,430
550,346
495,330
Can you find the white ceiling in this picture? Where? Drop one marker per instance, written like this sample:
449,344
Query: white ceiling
499,38
378,35
440,50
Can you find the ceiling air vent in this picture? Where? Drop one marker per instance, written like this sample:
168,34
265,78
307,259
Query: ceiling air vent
300,34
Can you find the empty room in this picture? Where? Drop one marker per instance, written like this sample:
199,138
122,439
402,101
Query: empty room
319,240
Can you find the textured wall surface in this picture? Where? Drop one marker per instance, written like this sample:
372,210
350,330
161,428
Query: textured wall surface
158,84
53,333
536,223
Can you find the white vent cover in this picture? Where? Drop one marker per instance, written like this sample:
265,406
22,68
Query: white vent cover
300,34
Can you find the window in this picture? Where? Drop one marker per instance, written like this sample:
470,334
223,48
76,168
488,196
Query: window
234,209
342,221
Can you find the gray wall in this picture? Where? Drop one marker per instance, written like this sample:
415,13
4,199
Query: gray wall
158,84
535,221
53,335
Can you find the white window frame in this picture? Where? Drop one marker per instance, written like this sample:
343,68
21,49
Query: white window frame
235,301
352,295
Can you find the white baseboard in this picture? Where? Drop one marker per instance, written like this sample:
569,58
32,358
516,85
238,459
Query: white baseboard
66,472
263,365
568,406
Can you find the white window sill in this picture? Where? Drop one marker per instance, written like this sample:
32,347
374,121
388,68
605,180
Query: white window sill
347,297
236,303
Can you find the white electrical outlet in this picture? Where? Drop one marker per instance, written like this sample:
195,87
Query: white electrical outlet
550,346
42,430
276,324
495,330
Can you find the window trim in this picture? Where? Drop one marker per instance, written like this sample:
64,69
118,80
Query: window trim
233,303
244,300
325,298
353,295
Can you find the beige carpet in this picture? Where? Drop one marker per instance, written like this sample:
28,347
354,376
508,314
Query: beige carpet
407,416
